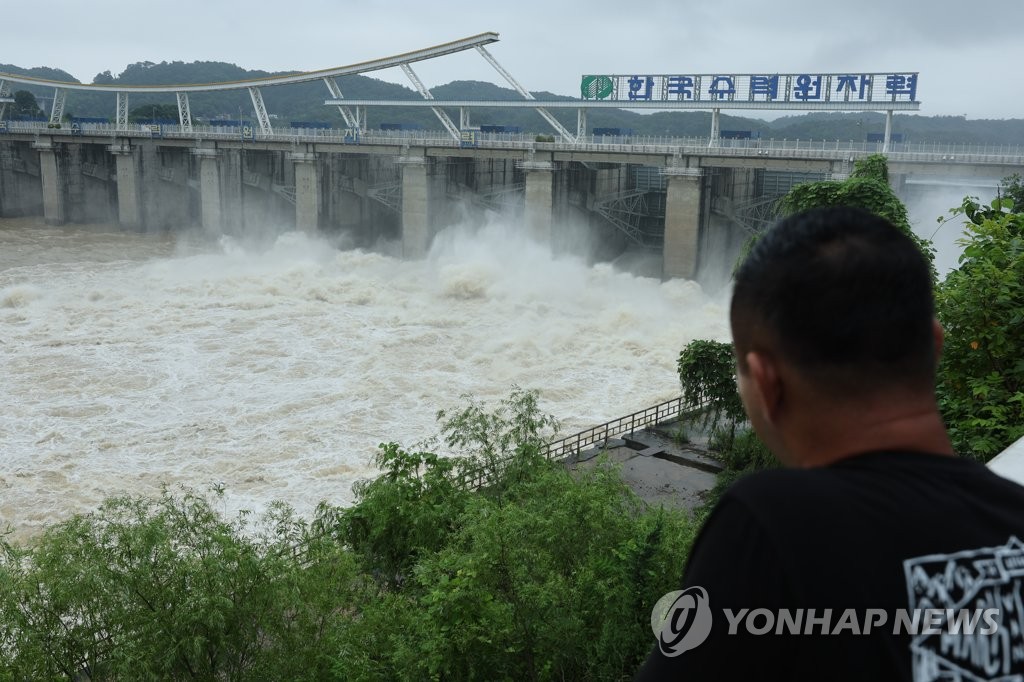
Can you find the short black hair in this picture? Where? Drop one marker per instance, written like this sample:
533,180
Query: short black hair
841,294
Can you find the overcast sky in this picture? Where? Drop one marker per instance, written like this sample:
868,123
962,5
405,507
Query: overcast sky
969,52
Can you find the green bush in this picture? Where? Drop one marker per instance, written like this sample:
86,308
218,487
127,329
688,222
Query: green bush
981,307
407,512
553,579
500,583
867,188
166,588
707,374
742,450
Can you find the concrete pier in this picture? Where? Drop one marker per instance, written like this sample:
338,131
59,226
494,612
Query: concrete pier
128,199
53,190
682,222
209,190
539,199
415,207
307,191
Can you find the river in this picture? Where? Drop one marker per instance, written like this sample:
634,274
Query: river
274,367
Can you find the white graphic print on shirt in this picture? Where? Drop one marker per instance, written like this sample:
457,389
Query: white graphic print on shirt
963,585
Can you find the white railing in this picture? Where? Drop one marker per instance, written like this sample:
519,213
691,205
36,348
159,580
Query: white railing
926,152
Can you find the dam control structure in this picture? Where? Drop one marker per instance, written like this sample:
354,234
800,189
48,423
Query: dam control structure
671,196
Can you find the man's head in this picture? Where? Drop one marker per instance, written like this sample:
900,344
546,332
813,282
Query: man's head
841,300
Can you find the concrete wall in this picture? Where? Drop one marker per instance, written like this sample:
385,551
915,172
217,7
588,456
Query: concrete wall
344,182
682,226
169,202
129,213
209,191
53,186
98,199
21,192
415,209
232,199
307,192
539,205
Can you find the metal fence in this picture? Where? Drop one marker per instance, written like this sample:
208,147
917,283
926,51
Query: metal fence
563,448
946,153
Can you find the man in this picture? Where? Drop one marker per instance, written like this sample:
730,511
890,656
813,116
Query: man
817,571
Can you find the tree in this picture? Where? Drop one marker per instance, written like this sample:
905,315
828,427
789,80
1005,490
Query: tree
707,373
981,307
1012,187
25,105
527,574
146,112
103,78
867,188
501,582
166,588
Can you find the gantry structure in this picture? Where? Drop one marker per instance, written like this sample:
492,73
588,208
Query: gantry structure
354,111
353,114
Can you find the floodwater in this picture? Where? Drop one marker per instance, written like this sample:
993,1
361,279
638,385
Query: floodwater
275,368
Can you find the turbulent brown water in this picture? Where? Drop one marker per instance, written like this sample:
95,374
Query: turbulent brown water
131,360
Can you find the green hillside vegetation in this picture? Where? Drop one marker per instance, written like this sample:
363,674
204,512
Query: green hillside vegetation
305,102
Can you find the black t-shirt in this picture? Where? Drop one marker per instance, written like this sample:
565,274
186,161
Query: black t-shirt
880,539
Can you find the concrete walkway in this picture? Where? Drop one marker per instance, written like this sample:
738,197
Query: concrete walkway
658,468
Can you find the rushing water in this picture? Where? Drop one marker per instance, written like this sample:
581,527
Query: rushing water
129,360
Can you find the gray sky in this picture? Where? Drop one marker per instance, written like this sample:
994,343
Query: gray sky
969,53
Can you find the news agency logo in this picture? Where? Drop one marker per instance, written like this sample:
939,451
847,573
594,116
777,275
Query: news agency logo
681,620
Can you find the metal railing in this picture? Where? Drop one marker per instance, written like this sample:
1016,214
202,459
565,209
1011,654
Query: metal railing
848,150
563,448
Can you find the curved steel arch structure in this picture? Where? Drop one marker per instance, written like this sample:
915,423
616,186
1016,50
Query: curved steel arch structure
352,119
303,77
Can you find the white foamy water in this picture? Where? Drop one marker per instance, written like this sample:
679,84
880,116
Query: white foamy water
129,361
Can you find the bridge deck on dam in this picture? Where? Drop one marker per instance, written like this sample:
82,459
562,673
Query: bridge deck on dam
955,160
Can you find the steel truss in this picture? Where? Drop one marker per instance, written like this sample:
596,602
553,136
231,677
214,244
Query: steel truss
5,93
757,215
422,89
122,111
184,112
389,194
559,128
351,120
626,211
261,111
57,110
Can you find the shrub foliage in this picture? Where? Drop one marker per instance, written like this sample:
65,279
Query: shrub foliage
981,307
544,574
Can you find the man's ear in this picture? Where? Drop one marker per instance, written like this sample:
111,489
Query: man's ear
766,382
939,336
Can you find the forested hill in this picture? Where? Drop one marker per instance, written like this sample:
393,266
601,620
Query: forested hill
304,102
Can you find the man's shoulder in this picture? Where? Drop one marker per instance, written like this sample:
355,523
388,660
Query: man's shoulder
878,480
781,483
872,467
